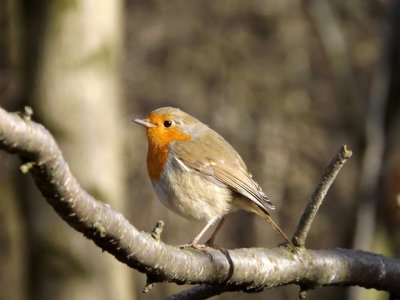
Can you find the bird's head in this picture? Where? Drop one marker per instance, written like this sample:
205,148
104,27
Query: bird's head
168,124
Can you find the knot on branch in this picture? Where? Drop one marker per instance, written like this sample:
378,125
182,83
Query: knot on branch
157,230
26,114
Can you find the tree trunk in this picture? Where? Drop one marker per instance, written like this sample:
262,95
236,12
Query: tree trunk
76,93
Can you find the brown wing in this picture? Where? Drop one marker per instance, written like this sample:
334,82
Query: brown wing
225,167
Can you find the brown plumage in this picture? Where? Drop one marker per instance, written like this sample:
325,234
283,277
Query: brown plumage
198,174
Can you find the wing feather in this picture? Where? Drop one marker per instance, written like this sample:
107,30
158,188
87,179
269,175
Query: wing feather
226,167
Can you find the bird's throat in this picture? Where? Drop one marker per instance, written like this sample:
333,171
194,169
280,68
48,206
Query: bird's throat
159,140
157,158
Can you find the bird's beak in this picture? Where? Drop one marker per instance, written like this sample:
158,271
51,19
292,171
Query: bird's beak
144,123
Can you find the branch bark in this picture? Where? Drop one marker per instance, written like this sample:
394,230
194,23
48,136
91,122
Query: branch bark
240,269
200,292
304,226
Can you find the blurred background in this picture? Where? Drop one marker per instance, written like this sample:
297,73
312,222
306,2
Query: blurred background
285,82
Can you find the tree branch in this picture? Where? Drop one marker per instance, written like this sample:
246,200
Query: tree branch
200,292
303,228
240,269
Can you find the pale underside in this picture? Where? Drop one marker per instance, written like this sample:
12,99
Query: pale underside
194,196
206,188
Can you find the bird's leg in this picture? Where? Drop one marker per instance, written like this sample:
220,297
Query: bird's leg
194,243
210,241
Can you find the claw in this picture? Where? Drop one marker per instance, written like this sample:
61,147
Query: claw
192,245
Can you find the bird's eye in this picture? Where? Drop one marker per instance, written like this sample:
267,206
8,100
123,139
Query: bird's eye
167,123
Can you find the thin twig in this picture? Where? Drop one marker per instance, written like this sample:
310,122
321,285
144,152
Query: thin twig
300,236
156,235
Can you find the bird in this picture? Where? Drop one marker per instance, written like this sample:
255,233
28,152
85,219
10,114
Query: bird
197,174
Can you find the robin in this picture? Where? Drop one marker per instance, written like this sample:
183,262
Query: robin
197,174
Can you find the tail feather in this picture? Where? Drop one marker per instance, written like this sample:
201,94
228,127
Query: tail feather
279,230
251,206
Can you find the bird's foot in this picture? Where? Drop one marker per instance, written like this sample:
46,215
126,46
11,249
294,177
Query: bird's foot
208,244
193,246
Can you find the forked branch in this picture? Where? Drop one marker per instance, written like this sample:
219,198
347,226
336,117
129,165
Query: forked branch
240,269
304,226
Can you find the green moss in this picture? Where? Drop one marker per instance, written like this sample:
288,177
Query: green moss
60,7
102,57
57,10
99,229
26,167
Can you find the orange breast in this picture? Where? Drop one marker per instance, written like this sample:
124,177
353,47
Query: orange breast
159,140
157,158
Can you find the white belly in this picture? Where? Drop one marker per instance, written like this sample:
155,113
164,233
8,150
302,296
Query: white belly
190,194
